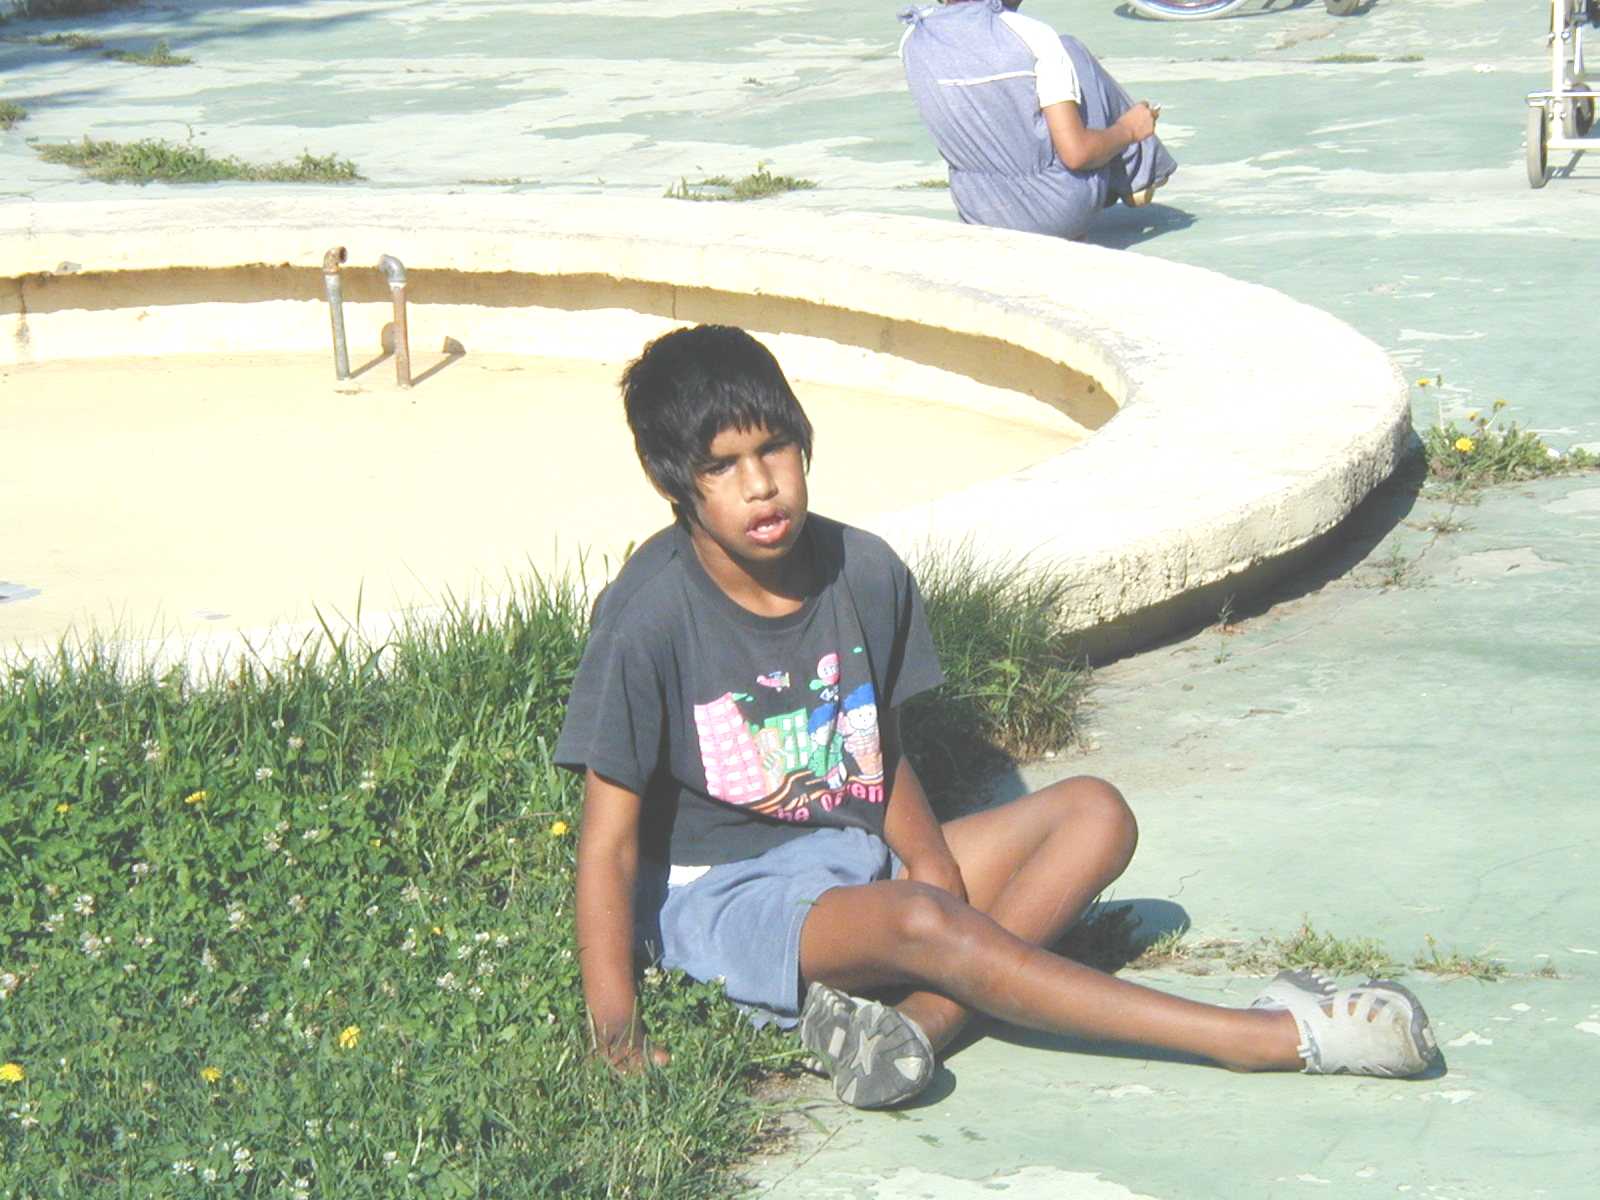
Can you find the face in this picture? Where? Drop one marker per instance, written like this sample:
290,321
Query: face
752,502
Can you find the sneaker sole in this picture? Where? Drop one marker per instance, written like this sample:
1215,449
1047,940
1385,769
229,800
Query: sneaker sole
876,1056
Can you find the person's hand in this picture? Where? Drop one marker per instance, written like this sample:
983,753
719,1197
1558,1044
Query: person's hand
942,873
627,1050
1139,122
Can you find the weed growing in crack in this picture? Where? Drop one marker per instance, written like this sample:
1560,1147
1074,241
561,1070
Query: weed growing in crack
1462,460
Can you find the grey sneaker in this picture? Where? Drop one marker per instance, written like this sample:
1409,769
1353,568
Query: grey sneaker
876,1056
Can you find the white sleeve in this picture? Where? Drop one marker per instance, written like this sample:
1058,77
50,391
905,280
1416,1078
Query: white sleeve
1054,74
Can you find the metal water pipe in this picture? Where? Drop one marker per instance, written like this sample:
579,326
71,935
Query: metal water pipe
331,280
395,272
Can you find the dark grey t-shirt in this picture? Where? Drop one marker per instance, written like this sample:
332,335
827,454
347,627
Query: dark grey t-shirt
739,731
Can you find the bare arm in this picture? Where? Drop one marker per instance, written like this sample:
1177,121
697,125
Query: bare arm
608,865
1081,148
909,825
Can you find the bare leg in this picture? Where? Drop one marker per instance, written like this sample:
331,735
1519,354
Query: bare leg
1034,865
1031,868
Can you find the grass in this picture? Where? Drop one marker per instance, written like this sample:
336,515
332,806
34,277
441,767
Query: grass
65,8
1013,683
313,921
1109,938
69,41
316,921
757,185
932,184
10,113
156,160
1462,460
1346,57
1457,965
159,55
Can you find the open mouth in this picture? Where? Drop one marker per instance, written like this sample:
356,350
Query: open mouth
769,528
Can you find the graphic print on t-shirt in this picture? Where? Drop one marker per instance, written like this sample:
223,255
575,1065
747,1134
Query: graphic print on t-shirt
796,761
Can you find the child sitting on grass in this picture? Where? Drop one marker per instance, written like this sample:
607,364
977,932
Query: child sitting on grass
749,815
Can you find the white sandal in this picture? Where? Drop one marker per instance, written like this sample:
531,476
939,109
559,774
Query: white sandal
1374,1028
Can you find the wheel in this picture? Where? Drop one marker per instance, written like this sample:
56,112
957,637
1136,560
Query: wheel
1184,10
1342,8
1577,116
1538,136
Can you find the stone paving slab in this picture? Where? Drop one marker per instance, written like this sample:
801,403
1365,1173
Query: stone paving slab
1387,761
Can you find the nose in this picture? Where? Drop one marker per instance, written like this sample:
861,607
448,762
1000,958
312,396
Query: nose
757,479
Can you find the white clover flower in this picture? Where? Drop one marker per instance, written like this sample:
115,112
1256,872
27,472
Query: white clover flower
52,890
189,999
464,952
411,893
270,842
129,968
143,941
480,937
409,946
8,984
549,1018
297,743
152,750
263,774
486,969
305,963
141,871
311,835
297,903
369,781
313,1128
277,724
448,982
372,910
53,922
390,1158
501,941
183,1167
261,1020
208,960
93,945
237,916
83,905
209,1175
23,1115
475,991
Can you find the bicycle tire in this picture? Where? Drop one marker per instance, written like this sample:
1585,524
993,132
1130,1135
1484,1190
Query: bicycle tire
1184,10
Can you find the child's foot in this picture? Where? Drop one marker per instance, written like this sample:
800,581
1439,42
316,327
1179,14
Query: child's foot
876,1055
1143,197
1375,1028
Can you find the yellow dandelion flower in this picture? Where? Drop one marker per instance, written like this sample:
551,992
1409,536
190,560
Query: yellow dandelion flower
199,797
1473,417
1466,445
12,1072
1499,404
210,1074
349,1037
1424,383
558,829
437,932
376,842
63,807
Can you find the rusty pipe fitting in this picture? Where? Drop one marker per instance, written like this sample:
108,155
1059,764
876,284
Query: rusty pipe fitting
395,272
331,280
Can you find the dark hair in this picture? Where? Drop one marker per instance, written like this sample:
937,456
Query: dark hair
688,386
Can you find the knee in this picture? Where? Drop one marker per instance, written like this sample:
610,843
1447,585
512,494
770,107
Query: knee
1096,810
928,919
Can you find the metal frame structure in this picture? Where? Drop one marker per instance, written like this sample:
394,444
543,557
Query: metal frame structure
1562,117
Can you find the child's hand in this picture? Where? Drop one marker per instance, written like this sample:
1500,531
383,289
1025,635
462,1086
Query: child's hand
1140,120
629,1051
943,874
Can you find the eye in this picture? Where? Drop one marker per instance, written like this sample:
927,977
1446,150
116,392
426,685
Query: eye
719,466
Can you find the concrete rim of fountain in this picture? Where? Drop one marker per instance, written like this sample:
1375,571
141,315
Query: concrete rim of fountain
1246,425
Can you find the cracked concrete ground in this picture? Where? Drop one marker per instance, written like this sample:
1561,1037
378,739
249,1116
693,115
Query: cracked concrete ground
1390,761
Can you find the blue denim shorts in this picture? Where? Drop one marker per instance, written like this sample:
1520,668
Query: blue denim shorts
740,922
